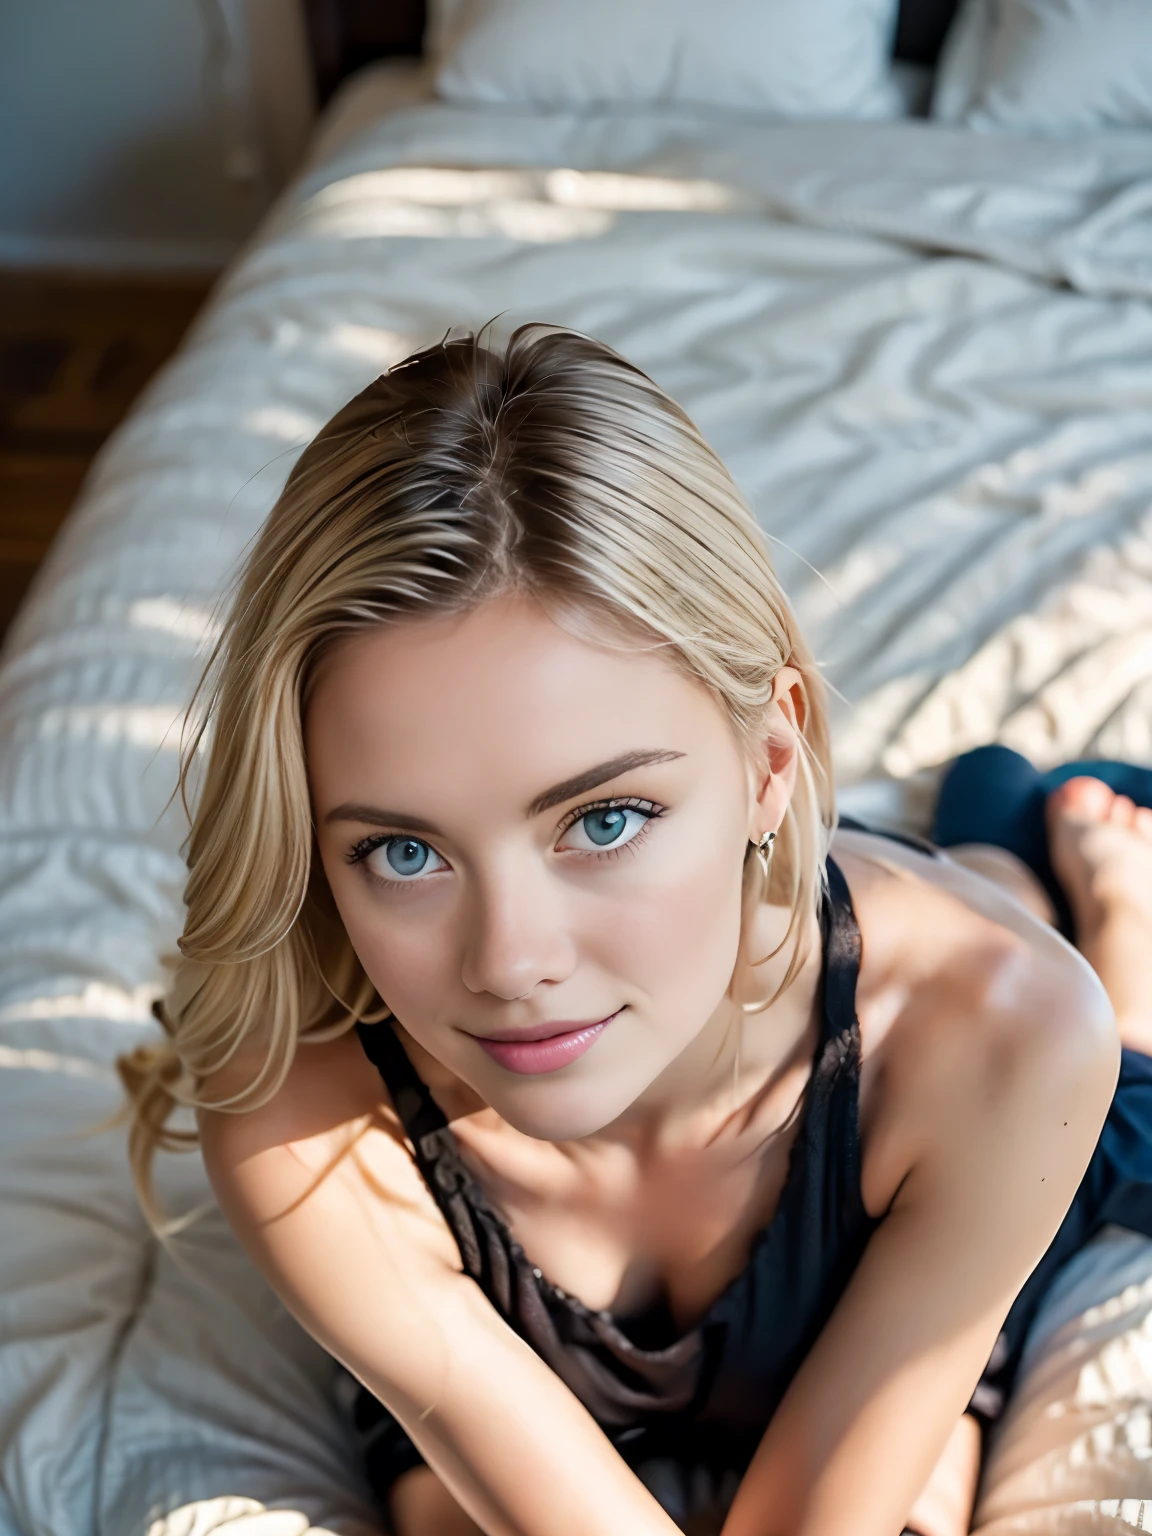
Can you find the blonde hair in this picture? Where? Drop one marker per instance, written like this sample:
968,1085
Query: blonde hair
558,469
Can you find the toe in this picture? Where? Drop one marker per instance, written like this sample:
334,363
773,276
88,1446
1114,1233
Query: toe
1143,821
1123,812
1083,799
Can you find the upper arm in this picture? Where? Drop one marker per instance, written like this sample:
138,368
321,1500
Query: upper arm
321,1190
1000,1116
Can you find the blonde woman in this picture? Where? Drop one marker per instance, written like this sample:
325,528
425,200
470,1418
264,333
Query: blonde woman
648,1164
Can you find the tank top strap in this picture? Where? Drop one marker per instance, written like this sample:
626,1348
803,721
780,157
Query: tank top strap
842,952
419,1112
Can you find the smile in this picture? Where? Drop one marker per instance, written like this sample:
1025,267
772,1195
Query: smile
545,1048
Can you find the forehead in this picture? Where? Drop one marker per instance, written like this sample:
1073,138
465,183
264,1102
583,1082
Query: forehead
503,692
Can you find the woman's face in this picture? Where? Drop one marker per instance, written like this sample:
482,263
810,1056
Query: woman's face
524,831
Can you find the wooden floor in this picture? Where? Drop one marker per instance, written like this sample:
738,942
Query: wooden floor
74,353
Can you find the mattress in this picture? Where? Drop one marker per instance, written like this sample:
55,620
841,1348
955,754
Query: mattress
924,354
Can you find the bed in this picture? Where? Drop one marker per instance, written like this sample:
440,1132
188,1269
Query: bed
922,348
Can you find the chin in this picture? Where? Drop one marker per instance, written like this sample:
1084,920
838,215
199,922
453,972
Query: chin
560,1111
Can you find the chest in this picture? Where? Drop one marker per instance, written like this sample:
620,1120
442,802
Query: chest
628,1238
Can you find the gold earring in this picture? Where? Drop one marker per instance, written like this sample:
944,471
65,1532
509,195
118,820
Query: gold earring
764,851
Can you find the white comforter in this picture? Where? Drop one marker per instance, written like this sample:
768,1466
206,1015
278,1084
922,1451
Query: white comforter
925,355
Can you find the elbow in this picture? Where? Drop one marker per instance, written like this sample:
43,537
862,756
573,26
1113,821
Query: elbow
1081,1046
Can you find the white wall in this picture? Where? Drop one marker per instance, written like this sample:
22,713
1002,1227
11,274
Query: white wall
145,133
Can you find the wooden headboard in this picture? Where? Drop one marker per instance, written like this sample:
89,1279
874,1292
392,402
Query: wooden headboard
347,33
344,34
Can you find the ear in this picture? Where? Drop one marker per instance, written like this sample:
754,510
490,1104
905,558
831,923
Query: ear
774,774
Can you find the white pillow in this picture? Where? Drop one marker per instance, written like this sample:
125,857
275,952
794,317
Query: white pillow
1047,66
788,58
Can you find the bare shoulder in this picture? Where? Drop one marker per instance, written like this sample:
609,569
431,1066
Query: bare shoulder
329,1085
328,1138
971,1010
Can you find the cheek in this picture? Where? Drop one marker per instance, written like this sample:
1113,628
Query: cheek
675,932
405,954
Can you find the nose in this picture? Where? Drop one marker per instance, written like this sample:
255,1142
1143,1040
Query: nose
517,935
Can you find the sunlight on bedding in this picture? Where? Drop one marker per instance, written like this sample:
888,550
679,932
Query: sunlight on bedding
532,222
1057,676
1128,1300
1130,1511
1080,678
1091,494
98,1000
156,726
530,205
853,577
279,421
238,1516
376,346
1007,484
614,190
1123,1369
1080,1424
31,1060
431,186
176,618
1127,1434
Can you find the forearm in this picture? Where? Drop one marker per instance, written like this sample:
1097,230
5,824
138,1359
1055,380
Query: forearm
422,1506
910,1450
459,1499
943,1508
513,1446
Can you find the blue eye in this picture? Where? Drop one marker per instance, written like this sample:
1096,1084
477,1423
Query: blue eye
604,827
402,859
607,826
407,856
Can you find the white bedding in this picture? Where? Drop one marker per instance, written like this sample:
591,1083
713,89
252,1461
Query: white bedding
925,355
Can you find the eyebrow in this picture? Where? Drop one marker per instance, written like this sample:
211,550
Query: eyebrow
592,778
567,789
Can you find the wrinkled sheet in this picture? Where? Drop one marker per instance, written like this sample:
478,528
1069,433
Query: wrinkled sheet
925,355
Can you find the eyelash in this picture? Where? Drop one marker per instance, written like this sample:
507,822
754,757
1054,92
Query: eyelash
625,802
360,851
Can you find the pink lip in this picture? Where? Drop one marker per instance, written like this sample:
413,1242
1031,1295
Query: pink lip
544,1048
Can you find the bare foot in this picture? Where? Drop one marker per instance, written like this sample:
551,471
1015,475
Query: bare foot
1100,845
